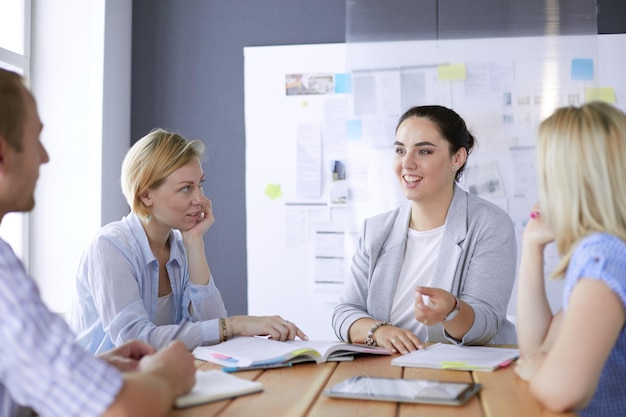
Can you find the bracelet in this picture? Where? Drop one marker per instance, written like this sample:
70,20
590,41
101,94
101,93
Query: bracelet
368,340
232,328
224,336
455,310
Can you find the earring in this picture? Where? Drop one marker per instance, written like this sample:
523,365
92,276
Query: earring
454,168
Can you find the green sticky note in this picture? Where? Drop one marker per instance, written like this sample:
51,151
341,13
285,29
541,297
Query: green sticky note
600,94
450,364
273,191
451,72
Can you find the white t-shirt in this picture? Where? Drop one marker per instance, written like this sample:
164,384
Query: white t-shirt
418,267
165,310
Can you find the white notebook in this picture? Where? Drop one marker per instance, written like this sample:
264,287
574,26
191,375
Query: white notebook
216,385
456,357
250,352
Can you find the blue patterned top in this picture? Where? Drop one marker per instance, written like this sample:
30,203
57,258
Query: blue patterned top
602,256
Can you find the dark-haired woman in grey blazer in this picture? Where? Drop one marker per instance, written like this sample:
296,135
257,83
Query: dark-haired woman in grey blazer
441,267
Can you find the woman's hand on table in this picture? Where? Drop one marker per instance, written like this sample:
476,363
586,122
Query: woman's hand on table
275,327
395,339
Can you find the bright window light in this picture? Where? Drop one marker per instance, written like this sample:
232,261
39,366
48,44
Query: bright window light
12,25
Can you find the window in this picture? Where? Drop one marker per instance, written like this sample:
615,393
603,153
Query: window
12,25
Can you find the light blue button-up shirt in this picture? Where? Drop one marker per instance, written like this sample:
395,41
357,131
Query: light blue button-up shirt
116,293
40,365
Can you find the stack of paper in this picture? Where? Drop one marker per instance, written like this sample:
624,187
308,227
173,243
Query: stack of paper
466,358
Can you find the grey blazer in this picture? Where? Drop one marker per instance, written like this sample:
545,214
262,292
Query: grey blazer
477,262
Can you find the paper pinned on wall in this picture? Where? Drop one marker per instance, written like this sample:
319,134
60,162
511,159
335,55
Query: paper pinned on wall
451,72
582,69
600,94
484,180
273,191
343,83
309,83
353,129
309,160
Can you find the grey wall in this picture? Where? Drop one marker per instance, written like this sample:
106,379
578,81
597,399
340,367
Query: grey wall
187,74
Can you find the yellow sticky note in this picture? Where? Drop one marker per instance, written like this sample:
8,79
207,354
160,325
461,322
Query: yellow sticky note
600,94
273,191
451,72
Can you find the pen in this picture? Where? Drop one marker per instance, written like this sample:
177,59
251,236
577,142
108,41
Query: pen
255,367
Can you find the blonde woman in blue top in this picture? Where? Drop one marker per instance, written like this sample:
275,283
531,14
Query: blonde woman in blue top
146,275
576,359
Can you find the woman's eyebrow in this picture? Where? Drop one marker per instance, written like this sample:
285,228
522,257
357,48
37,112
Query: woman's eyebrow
425,143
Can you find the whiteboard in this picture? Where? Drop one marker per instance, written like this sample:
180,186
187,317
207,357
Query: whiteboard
319,130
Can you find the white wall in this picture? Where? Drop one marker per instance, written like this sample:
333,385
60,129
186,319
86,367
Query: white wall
283,280
81,79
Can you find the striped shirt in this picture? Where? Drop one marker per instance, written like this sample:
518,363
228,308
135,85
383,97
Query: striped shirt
40,365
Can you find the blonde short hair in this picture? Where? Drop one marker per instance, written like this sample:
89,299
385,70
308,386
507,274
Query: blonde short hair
150,160
581,161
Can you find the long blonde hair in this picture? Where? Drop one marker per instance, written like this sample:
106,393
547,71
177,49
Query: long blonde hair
581,155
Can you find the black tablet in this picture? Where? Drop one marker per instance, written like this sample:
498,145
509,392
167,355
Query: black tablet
404,390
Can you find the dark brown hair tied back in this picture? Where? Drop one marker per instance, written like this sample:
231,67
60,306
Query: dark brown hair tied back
451,126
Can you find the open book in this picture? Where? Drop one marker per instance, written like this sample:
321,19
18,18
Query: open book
248,352
217,385
456,357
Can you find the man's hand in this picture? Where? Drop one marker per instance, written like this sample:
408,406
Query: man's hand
127,356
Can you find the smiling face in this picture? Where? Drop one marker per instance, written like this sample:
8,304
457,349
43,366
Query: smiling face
175,203
423,163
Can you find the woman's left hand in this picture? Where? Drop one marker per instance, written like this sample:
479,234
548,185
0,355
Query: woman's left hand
204,222
432,305
275,327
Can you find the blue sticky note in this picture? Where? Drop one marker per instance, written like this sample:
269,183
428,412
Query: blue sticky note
343,83
582,69
353,129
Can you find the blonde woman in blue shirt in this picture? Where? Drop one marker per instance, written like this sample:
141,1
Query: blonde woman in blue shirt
576,359
146,275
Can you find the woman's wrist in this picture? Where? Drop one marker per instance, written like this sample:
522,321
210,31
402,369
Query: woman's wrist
232,327
534,247
455,310
369,340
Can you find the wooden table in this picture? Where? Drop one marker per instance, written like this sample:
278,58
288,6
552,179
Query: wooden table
297,392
